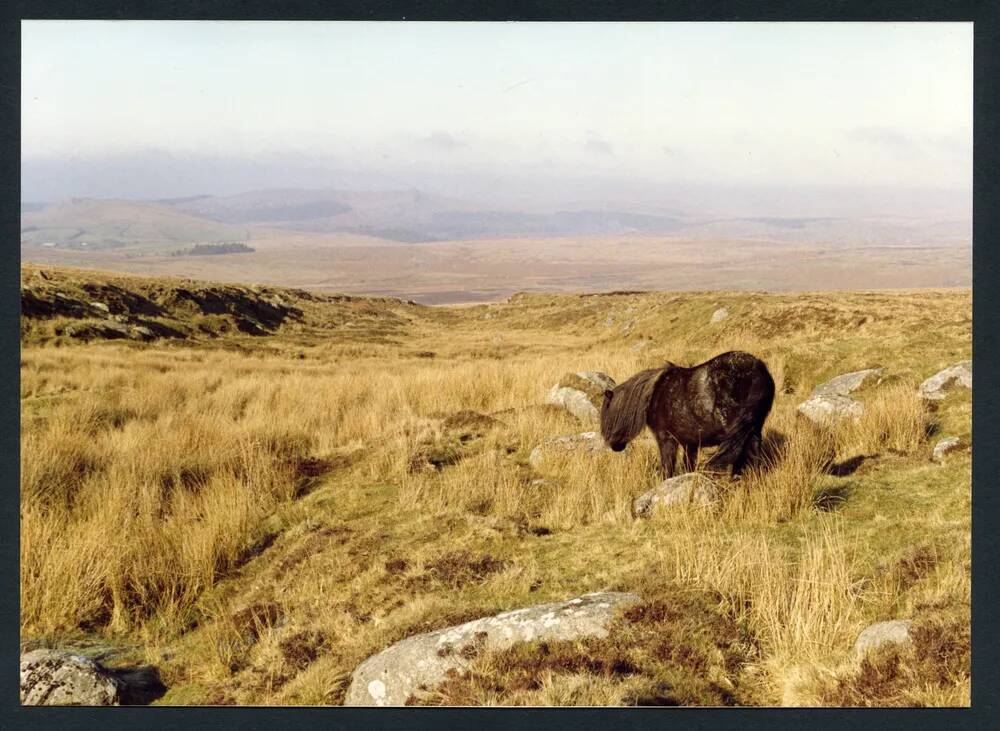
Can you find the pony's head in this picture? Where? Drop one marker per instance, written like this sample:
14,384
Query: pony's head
623,413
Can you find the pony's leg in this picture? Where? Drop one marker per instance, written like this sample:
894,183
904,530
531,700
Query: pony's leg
748,454
668,456
690,457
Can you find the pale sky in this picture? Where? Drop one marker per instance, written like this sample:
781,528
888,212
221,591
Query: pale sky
734,103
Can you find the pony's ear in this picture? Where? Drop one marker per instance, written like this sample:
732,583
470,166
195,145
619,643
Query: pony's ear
608,394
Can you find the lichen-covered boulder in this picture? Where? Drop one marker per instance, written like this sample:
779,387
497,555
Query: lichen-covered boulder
946,446
581,394
719,315
54,678
588,441
689,489
423,661
828,410
848,382
892,632
960,374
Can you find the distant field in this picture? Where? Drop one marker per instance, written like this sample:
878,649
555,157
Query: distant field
491,269
438,251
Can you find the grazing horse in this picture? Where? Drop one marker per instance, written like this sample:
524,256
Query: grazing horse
722,402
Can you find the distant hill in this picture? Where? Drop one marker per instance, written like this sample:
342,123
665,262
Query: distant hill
413,216
397,215
89,223
286,206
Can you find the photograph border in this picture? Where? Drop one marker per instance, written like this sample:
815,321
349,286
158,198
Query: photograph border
986,319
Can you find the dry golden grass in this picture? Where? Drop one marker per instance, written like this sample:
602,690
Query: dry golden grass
175,493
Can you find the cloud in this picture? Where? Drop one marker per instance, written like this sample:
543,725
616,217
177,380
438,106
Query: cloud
598,146
440,140
745,138
885,137
519,83
955,146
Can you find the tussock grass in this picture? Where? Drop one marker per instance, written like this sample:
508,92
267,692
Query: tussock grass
801,610
894,420
166,489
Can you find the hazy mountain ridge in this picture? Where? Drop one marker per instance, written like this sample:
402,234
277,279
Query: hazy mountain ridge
414,216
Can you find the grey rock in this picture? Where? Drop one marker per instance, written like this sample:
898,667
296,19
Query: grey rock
892,632
574,401
828,410
100,306
848,382
54,678
393,675
581,394
602,381
689,489
960,374
946,446
589,441
719,315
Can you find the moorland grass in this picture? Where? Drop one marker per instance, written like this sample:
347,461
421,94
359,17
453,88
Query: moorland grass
264,513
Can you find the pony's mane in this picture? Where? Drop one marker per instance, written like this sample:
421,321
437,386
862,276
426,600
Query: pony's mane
625,416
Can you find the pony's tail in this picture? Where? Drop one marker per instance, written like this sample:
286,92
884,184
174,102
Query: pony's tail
744,435
737,439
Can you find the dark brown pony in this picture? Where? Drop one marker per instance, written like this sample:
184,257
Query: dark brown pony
722,402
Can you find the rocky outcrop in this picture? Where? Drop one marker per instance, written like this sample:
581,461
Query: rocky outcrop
848,382
947,446
935,387
589,441
719,315
390,677
87,330
690,489
581,394
893,632
54,678
828,410
105,310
